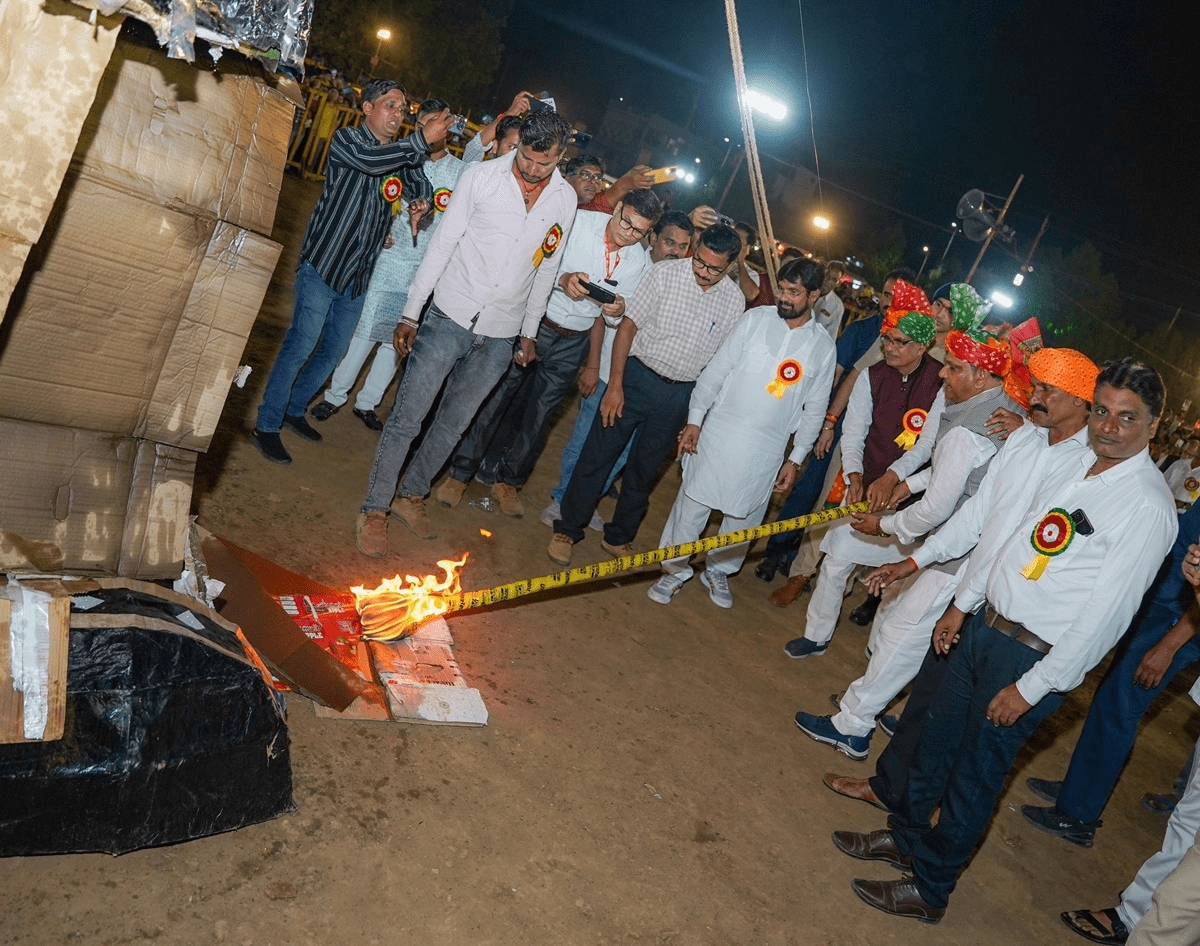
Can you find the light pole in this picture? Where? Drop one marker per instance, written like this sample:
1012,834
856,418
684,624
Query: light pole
382,35
953,234
765,104
923,262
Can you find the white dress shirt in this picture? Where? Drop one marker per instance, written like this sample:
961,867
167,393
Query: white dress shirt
584,253
1179,476
828,312
484,265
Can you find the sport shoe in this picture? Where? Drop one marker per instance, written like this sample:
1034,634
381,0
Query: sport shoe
450,492
664,589
617,551
549,514
370,418
821,728
597,523
371,534
323,410
270,445
559,549
802,647
411,511
717,584
1044,788
1053,821
506,496
888,724
299,423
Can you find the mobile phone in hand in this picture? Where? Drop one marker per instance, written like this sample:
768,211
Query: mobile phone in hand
459,126
664,175
601,295
726,221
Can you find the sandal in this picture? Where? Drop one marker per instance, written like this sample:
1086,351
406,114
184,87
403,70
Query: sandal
1159,804
1118,932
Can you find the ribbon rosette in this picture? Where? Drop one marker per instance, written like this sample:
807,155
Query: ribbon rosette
549,245
441,199
1192,485
391,189
1050,537
787,374
914,423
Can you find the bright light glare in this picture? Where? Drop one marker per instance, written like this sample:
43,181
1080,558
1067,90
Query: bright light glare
820,222
384,34
1002,299
767,104
697,160
1018,279
924,249
690,177
726,141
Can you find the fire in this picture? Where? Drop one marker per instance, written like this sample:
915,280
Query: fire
485,533
399,606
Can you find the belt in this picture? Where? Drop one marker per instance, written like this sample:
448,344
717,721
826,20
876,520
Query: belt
661,377
1018,632
562,332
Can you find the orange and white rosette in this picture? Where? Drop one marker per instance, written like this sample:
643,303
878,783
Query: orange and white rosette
787,374
913,423
1192,485
1050,537
549,245
441,199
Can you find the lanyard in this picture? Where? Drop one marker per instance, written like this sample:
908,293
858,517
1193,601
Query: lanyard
610,265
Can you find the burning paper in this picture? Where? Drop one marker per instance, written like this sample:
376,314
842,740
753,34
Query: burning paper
399,605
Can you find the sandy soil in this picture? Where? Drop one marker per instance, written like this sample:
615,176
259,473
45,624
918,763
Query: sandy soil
641,779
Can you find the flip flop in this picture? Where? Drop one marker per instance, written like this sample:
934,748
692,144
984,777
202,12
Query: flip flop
1119,932
1159,804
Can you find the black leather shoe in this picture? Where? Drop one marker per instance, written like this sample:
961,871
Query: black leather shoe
1044,788
270,445
299,423
370,418
323,410
873,846
864,614
897,897
1053,821
766,570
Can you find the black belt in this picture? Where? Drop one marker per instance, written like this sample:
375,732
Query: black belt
661,377
1018,632
563,332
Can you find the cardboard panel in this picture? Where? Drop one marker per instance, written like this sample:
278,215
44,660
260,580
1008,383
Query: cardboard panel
211,141
156,518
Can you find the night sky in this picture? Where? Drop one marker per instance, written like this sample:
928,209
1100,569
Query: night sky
916,103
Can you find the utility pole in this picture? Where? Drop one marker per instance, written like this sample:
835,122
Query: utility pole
1026,268
992,231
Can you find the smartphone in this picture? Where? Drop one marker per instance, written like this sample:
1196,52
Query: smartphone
601,295
459,126
664,175
727,221
536,105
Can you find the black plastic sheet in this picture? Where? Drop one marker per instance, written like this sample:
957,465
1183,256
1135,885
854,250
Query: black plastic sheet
171,734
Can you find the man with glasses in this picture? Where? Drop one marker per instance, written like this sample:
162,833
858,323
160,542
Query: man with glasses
504,441
675,322
585,173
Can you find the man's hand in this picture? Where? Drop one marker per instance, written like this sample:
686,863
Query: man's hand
526,353
438,127
854,488
612,405
589,380
388,242
1154,664
520,103
571,284
639,177
402,337
824,442
417,209
1191,566
1007,706
786,477
866,522
688,438
880,492
614,311
703,217
945,631
882,577
1000,419
899,494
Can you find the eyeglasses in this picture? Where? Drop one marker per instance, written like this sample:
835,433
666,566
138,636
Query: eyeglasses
588,176
892,342
708,267
626,225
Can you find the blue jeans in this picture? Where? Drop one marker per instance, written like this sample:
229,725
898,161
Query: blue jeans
322,323
469,366
588,406
962,760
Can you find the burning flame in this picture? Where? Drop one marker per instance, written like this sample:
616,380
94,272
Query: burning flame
485,533
399,606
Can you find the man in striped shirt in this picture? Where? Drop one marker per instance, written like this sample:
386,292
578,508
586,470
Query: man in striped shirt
344,237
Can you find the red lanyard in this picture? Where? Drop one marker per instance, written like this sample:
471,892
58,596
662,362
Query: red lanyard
610,267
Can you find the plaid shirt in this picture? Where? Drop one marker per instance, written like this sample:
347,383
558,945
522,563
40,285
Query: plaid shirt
680,326
346,230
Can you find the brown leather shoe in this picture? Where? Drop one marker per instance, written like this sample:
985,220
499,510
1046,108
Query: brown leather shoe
873,846
510,504
856,788
785,594
371,534
411,511
450,492
897,897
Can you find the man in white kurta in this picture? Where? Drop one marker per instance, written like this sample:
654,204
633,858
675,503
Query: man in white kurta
768,382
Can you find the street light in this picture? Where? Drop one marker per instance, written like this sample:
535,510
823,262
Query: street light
770,106
821,222
1002,299
953,234
925,250
382,34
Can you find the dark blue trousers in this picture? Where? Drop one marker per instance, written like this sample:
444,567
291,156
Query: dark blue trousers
805,494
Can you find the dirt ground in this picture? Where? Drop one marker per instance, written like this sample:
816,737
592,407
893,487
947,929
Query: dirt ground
640,780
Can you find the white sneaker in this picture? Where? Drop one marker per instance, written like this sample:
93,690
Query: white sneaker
597,524
717,584
550,513
664,589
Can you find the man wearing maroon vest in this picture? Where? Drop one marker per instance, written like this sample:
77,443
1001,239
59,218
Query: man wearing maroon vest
888,410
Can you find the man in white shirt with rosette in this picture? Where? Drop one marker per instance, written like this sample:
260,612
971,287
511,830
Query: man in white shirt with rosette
768,382
1021,634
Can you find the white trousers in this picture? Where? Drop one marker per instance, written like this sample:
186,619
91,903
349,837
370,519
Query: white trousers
898,647
826,603
383,369
685,523
809,556
1180,838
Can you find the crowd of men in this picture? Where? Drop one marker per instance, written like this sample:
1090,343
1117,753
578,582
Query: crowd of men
1015,524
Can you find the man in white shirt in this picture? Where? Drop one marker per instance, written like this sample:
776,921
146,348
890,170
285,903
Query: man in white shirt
491,268
504,441
768,382
1183,476
829,309
1098,532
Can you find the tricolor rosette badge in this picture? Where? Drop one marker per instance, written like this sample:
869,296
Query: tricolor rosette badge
549,245
787,374
441,199
1192,485
1051,536
913,423
391,188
